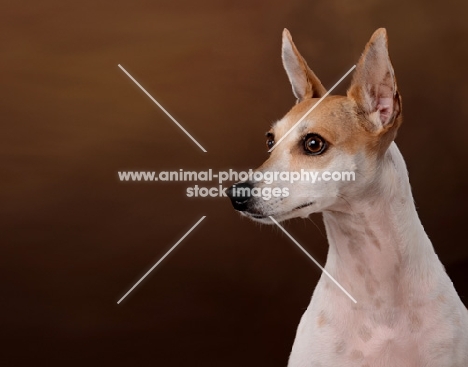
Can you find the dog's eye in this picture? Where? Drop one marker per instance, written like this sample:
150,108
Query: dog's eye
270,143
314,144
270,140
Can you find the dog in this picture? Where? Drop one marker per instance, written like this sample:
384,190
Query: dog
408,313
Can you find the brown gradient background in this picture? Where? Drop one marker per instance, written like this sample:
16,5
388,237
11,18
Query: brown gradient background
74,239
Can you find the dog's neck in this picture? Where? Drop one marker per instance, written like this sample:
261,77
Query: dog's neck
379,250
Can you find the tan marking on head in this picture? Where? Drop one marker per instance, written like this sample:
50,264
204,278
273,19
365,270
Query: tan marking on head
335,119
366,119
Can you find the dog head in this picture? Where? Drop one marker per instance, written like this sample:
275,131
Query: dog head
340,135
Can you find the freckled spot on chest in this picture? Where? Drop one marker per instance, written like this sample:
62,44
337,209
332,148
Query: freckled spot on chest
357,355
378,303
371,285
340,347
360,269
373,238
322,319
365,333
389,318
415,322
353,246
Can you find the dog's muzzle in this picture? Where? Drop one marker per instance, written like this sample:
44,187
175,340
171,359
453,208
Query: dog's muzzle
240,195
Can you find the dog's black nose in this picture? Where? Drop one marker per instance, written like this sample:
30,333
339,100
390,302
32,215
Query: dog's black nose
240,195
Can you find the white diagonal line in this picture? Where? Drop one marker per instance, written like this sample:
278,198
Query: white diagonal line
312,108
315,261
162,258
162,108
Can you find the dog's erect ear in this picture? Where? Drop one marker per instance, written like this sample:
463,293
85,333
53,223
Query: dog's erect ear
305,83
374,85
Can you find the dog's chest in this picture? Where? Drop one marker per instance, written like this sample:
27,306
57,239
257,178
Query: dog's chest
329,334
